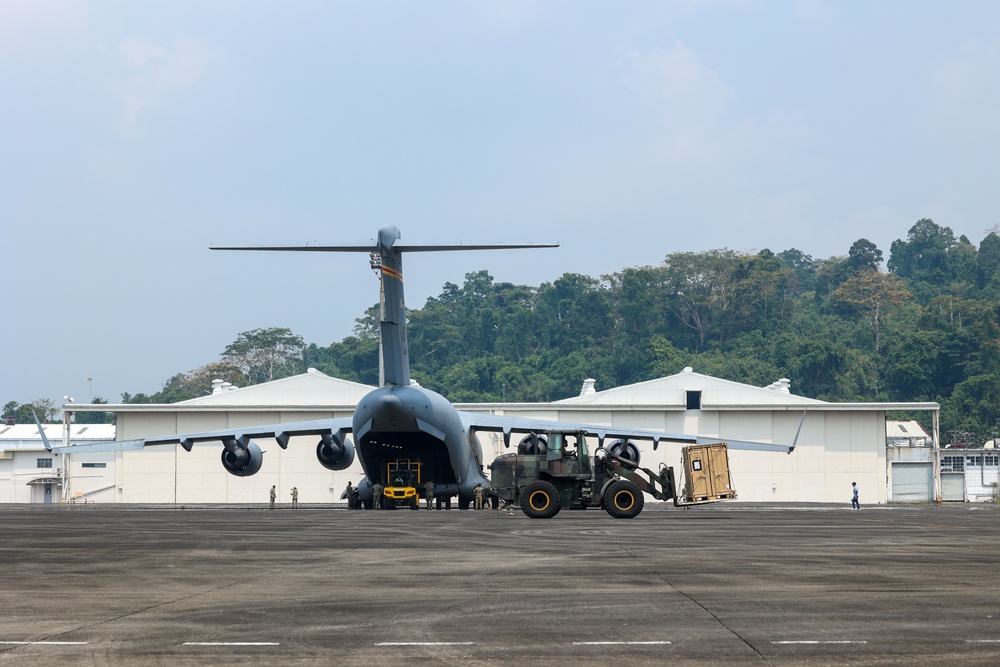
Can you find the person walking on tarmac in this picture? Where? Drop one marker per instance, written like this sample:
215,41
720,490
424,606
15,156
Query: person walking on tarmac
273,496
377,496
478,492
855,504
295,498
429,492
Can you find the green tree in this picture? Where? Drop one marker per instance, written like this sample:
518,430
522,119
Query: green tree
987,260
874,295
924,255
864,256
193,384
800,269
263,355
22,414
95,417
701,289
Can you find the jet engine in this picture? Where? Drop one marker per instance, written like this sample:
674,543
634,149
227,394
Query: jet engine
334,453
240,460
626,449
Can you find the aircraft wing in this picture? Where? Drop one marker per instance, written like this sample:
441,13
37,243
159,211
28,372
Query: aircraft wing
508,425
280,432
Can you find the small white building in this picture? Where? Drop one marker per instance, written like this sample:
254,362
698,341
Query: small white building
970,475
31,474
839,443
906,434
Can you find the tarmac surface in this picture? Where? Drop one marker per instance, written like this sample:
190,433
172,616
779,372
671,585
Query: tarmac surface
731,584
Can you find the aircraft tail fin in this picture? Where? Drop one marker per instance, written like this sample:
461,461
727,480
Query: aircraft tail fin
387,257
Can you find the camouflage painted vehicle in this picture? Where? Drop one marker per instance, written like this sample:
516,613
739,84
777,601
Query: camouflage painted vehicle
554,470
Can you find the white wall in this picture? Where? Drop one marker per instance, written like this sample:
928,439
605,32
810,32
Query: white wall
835,448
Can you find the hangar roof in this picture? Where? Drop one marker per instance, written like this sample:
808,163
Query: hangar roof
314,390
25,436
309,388
672,390
55,431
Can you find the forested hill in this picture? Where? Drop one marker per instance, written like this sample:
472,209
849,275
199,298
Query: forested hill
923,327
840,329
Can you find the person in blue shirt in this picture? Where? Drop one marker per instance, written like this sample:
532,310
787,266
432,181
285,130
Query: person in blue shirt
855,505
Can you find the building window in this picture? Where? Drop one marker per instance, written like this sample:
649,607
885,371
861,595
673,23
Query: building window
992,460
952,464
95,465
43,463
694,400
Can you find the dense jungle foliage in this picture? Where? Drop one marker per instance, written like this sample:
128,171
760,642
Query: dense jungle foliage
841,329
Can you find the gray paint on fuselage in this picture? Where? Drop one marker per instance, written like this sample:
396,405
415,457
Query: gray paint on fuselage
401,415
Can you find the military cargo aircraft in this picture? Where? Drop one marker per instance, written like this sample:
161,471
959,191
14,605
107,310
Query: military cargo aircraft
400,418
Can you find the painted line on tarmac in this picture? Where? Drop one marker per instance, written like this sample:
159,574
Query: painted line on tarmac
44,643
232,644
425,643
982,641
823,641
619,643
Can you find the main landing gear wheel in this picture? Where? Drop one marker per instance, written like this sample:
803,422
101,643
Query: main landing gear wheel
623,500
540,500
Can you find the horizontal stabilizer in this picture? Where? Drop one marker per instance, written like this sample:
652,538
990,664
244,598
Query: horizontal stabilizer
398,247
436,247
357,247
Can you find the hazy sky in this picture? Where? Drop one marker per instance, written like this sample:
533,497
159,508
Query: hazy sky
134,135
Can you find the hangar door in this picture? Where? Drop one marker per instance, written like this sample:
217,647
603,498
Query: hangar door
953,487
912,482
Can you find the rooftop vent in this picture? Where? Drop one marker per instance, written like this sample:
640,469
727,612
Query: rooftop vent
221,386
781,386
588,387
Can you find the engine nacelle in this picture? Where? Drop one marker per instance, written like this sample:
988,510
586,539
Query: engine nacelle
242,462
625,449
334,454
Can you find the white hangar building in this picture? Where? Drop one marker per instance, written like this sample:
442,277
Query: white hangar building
839,443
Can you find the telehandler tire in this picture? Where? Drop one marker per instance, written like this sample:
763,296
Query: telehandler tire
540,500
623,500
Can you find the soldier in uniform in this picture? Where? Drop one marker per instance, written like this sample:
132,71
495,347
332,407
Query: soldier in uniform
273,495
479,496
350,496
295,497
377,495
429,492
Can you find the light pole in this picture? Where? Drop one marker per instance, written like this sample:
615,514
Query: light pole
64,469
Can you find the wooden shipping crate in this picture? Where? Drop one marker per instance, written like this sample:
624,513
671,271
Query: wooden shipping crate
706,473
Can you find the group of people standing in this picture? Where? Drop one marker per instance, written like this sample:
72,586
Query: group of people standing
295,497
351,493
